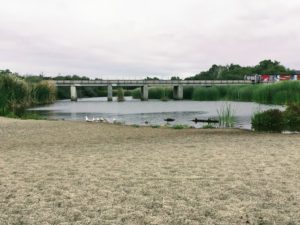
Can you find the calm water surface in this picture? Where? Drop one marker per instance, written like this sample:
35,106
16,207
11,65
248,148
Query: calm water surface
134,111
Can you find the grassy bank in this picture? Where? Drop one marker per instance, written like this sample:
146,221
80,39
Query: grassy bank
16,94
278,93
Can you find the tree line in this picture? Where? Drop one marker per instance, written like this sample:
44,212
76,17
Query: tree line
237,72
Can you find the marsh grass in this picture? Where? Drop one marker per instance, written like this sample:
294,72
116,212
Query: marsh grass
208,126
16,94
31,116
206,94
180,126
120,95
284,92
162,93
226,115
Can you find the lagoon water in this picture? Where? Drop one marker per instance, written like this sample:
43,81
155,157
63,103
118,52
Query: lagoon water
134,111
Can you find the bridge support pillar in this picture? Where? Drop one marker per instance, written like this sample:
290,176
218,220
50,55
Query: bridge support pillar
178,92
109,93
73,93
144,93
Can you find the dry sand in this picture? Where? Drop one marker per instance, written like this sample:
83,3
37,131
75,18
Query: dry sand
57,172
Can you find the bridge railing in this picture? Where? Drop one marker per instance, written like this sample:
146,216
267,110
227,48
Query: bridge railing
148,82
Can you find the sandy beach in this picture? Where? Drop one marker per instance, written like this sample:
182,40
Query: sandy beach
60,172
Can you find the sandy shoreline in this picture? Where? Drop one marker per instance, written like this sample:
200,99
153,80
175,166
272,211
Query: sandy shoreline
61,172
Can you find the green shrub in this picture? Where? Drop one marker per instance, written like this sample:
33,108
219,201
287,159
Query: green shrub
292,117
136,93
120,95
271,120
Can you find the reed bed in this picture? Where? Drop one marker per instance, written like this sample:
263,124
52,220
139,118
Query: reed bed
16,94
162,93
120,95
284,92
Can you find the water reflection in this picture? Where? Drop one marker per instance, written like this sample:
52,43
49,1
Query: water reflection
153,112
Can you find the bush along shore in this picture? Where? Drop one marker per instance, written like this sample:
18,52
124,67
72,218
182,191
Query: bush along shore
280,93
274,120
17,94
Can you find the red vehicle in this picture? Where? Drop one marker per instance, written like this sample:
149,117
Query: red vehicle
265,78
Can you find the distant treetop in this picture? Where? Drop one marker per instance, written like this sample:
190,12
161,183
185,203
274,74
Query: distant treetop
237,72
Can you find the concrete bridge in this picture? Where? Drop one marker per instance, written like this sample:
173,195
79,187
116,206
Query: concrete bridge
144,84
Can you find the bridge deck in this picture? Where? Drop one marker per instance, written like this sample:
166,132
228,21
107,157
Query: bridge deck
148,82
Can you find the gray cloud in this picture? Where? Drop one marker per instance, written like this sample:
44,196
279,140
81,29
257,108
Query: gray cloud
137,38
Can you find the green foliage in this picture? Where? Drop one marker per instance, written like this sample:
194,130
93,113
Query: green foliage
175,78
188,92
283,92
179,126
271,120
160,93
206,93
136,93
270,67
279,93
237,72
292,117
151,78
163,93
16,94
33,79
208,126
120,95
31,116
43,93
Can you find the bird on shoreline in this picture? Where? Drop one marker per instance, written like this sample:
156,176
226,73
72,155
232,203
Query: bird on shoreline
87,119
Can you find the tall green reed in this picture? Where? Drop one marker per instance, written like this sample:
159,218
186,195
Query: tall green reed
226,115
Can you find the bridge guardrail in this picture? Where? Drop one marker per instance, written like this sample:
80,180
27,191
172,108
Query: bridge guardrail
148,82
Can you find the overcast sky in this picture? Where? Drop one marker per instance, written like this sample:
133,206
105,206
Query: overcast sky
138,38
